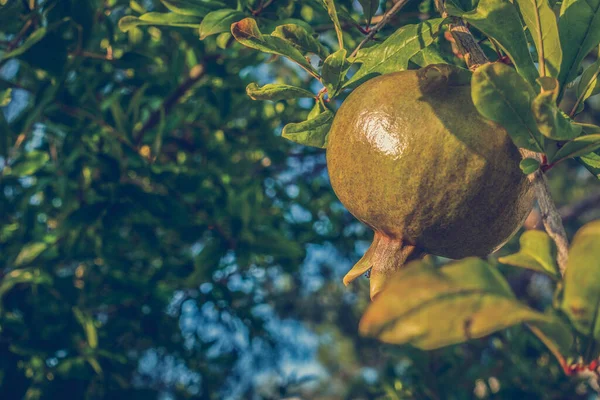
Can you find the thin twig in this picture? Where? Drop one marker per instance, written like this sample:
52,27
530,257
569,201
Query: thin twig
384,20
474,57
196,73
549,213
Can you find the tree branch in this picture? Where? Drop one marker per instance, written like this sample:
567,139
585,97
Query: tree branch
474,57
467,46
384,20
196,73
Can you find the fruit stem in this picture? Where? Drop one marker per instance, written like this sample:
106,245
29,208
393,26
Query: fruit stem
384,257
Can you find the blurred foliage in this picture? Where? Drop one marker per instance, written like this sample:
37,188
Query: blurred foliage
158,239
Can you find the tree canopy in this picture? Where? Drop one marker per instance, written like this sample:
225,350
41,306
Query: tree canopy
160,239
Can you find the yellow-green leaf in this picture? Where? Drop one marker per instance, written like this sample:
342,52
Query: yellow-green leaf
219,21
431,308
30,252
395,52
334,72
542,25
276,91
247,33
537,253
581,296
331,10
156,18
312,132
579,29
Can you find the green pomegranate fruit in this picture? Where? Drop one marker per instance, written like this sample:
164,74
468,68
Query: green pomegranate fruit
409,155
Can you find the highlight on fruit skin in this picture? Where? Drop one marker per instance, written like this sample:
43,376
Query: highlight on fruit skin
409,155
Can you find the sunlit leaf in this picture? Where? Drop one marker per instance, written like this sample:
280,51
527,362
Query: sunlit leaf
29,253
31,40
577,147
87,323
538,253
429,55
579,29
5,96
219,21
312,132
29,163
193,7
552,122
581,296
589,84
541,22
395,52
591,162
276,91
332,11
334,72
479,297
247,33
301,39
164,19
26,275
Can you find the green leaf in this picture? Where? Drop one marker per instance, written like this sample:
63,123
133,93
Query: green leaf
5,96
431,307
34,38
25,275
247,33
556,335
592,163
219,21
6,136
552,121
29,163
301,39
87,323
589,85
331,10
579,29
334,71
155,18
30,252
538,253
223,40
312,132
542,25
503,96
529,165
581,295
395,52
509,34
429,55
369,8
276,91
577,147
192,7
